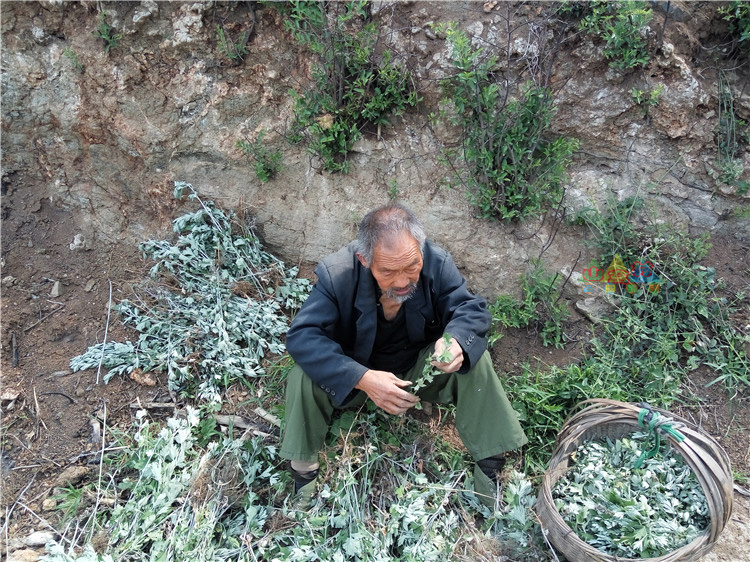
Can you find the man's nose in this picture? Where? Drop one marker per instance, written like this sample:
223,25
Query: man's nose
402,281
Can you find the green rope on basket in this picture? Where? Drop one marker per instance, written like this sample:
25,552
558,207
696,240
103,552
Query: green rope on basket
654,423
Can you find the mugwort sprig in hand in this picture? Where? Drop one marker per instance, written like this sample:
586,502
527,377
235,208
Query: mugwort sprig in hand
429,371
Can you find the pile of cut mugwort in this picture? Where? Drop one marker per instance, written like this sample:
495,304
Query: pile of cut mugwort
631,512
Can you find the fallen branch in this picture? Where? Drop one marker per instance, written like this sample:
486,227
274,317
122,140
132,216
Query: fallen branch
241,423
269,417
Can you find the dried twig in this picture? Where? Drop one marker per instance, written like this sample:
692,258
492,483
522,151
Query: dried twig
72,400
106,329
44,521
79,456
14,350
138,405
9,510
43,318
99,495
96,431
38,417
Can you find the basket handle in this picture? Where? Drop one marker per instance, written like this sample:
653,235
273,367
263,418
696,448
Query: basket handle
654,423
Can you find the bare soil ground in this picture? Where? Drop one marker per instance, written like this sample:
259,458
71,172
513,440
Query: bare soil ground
55,303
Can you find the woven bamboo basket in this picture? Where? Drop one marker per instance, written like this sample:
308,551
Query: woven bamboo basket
601,418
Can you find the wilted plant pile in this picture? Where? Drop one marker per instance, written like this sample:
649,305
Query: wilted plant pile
214,307
629,506
173,493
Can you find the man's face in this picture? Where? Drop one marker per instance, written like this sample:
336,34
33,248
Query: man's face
396,265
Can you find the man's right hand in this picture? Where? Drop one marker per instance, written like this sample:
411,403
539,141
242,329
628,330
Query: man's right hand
386,390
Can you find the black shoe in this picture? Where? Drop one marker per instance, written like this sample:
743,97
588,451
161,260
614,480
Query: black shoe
487,478
305,488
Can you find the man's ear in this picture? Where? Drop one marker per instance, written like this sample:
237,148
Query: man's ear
362,260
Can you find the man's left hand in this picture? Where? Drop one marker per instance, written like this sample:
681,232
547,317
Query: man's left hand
457,356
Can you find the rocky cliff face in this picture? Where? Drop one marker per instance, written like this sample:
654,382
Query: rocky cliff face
102,134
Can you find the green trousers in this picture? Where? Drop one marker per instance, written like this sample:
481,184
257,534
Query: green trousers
485,420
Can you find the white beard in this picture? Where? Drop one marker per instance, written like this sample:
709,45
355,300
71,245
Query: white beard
401,298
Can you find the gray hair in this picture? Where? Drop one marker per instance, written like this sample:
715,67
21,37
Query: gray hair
383,224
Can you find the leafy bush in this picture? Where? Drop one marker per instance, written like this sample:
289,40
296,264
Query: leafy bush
213,311
514,172
623,26
356,83
658,334
738,15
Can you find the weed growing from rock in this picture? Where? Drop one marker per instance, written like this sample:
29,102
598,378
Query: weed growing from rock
266,162
234,51
106,33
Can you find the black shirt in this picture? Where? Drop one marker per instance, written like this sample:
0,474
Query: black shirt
392,351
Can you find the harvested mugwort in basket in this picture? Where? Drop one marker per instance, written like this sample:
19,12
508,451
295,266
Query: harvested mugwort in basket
630,504
674,444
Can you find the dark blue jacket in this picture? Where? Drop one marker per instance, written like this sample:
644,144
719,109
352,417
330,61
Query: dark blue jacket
332,336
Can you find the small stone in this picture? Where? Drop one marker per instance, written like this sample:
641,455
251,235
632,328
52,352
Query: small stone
25,555
9,281
79,242
39,538
90,285
146,379
71,476
49,504
594,309
55,292
9,394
